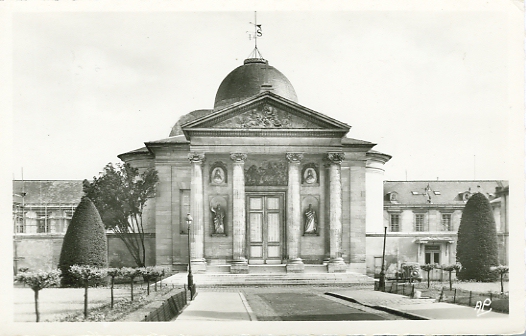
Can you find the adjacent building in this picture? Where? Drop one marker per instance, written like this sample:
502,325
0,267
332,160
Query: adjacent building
422,220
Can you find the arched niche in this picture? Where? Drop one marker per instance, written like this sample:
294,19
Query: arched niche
310,216
218,216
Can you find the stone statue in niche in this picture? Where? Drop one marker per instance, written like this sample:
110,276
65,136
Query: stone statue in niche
218,217
311,222
310,176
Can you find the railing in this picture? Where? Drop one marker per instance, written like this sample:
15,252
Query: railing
169,309
497,302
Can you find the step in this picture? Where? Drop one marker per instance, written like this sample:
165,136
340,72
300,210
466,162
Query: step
218,269
267,269
261,279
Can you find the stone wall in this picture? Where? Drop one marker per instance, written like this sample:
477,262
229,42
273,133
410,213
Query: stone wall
42,251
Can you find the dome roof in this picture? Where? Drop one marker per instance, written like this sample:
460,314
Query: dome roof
251,78
177,130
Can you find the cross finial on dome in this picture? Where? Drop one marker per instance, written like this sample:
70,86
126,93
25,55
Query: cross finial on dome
257,33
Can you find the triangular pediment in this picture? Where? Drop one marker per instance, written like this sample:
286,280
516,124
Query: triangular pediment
266,112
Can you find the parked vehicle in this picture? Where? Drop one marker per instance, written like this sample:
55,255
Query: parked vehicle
409,272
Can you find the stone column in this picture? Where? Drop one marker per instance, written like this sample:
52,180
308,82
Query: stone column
196,210
336,263
294,263
239,262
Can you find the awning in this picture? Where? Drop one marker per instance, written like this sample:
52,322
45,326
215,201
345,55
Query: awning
432,240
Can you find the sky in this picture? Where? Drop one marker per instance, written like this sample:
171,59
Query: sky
430,88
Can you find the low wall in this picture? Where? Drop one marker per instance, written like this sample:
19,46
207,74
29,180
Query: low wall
169,309
42,251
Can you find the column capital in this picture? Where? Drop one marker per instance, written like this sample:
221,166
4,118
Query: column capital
295,157
335,157
194,157
238,157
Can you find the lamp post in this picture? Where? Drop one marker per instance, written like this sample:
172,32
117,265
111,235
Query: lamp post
189,220
381,285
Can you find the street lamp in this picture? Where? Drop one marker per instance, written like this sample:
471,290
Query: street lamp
191,287
381,285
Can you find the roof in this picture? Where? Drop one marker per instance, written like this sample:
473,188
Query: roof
176,129
48,191
251,78
173,139
351,141
137,151
439,192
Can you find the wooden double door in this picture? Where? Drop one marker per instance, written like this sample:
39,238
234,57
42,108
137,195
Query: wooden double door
265,218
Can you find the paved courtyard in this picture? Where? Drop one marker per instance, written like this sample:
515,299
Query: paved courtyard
277,303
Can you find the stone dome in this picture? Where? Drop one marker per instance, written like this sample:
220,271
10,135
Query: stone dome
251,78
177,130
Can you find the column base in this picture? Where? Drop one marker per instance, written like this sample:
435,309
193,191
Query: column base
198,265
239,266
336,265
295,265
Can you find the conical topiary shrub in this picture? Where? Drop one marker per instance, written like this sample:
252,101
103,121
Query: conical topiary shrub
84,242
477,240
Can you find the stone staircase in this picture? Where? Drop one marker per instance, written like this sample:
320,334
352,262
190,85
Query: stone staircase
271,275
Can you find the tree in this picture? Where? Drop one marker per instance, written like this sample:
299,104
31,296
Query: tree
428,268
84,241
450,269
477,240
38,281
120,194
150,274
131,273
87,275
112,273
501,270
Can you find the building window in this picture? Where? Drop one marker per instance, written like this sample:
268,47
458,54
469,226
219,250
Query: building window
43,226
446,222
19,225
395,223
432,254
419,222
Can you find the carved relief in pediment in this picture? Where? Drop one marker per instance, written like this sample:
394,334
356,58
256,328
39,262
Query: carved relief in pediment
266,116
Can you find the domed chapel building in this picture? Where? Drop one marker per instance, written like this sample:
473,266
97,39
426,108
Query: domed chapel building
266,181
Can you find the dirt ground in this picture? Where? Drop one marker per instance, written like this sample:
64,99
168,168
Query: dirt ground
56,302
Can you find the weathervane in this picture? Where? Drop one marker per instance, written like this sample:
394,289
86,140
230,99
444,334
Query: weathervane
257,33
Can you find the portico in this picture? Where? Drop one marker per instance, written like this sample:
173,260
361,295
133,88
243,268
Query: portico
266,180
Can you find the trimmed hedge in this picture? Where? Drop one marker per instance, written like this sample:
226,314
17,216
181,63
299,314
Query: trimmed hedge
84,242
477,240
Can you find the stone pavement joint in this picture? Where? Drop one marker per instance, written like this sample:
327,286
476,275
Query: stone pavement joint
380,307
251,314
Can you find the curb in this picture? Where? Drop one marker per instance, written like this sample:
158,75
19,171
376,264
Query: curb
251,314
382,308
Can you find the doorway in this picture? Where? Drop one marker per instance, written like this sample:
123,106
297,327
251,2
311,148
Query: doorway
265,228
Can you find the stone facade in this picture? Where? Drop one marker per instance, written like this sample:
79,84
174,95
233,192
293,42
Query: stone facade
265,180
